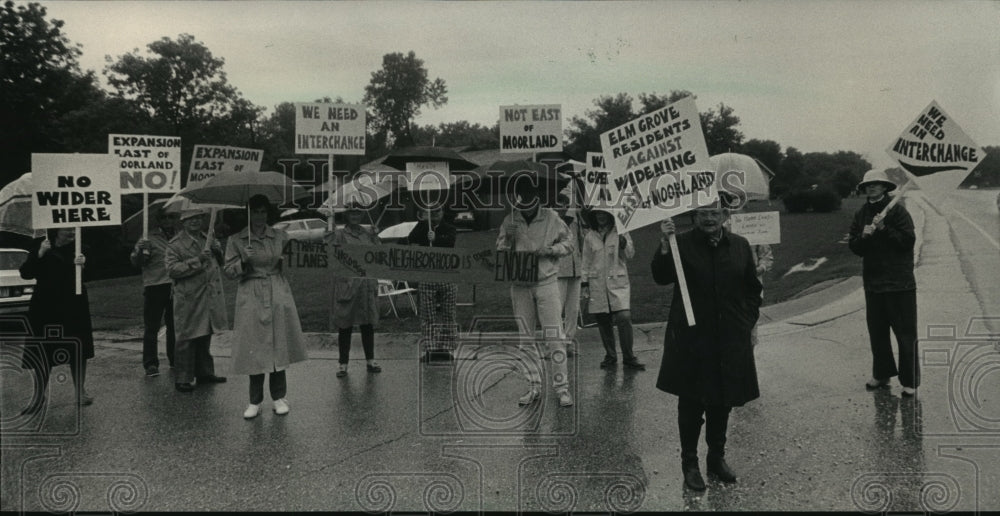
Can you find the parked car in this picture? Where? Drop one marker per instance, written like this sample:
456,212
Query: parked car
465,220
15,292
303,230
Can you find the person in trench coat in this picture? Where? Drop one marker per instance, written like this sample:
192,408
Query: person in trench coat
709,366
199,304
605,277
267,333
354,301
55,305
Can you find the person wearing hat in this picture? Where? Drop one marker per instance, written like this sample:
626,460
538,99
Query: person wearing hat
354,301
570,269
709,366
157,303
534,229
199,303
438,320
606,284
884,241
267,334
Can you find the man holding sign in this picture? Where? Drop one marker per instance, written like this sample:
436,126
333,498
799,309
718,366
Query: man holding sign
709,367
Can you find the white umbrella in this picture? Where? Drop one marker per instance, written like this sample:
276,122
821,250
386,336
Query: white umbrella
15,207
401,230
749,179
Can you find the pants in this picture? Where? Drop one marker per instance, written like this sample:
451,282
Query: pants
438,326
193,359
157,305
276,384
541,304
622,319
898,311
41,378
569,293
367,342
689,420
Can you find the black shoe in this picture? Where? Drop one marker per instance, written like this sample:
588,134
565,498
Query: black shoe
152,371
693,480
212,379
374,368
608,363
634,364
719,469
184,387
440,356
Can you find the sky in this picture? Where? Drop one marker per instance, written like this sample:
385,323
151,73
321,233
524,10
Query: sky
820,76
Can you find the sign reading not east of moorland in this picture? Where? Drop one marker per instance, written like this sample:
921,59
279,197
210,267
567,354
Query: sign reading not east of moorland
531,128
329,128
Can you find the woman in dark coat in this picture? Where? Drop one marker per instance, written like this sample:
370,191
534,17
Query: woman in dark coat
54,304
710,366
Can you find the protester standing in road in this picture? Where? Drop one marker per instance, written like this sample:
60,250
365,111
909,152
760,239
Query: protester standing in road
267,334
710,366
531,228
438,320
55,304
606,284
157,297
354,300
199,305
885,242
570,275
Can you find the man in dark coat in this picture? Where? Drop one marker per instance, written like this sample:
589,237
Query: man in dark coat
886,245
710,366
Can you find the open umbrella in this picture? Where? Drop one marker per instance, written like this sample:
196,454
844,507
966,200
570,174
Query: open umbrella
15,207
132,226
741,174
398,231
400,157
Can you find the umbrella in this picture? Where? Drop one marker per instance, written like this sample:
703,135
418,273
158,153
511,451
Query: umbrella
401,230
752,182
400,157
15,207
132,226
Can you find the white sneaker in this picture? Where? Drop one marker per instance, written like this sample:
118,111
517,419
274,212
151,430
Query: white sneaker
528,398
909,391
565,400
281,407
251,412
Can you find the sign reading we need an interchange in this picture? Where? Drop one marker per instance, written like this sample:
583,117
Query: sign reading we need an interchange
659,165
758,228
322,128
209,160
75,190
148,164
935,143
531,128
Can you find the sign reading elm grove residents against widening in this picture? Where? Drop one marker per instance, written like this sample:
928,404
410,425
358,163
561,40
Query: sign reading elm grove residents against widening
329,128
758,228
401,262
935,143
531,128
208,160
659,165
75,190
148,164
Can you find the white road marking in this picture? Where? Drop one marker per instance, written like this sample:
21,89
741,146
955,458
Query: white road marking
978,228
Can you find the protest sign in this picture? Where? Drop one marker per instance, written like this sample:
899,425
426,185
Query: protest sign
75,190
428,175
758,228
531,128
148,164
412,263
659,165
322,128
596,192
209,160
935,143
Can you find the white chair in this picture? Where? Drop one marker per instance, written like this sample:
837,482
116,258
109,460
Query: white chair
388,290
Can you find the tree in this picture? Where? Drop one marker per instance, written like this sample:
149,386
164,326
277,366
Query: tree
721,134
397,92
40,82
789,174
585,135
767,152
457,134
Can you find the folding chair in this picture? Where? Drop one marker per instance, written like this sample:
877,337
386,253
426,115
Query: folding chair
388,290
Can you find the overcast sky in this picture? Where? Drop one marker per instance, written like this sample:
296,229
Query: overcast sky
815,75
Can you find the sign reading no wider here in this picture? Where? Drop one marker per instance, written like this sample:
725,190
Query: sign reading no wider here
322,128
531,128
75,190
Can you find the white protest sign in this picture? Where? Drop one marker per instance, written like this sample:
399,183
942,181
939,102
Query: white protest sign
428,175
595,182
935,143
531,128
659,165
208,160
758,228
75,190
322,128
148,164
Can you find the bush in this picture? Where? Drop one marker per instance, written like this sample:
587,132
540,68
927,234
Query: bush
797,202
821,199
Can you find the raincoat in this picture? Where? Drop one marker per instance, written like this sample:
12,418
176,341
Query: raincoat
199,303
354,301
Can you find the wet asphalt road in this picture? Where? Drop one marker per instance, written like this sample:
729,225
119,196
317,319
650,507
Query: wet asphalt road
419,437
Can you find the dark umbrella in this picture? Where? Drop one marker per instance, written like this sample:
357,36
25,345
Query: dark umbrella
400,157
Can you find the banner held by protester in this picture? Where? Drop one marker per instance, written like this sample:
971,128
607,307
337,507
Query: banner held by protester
758,228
